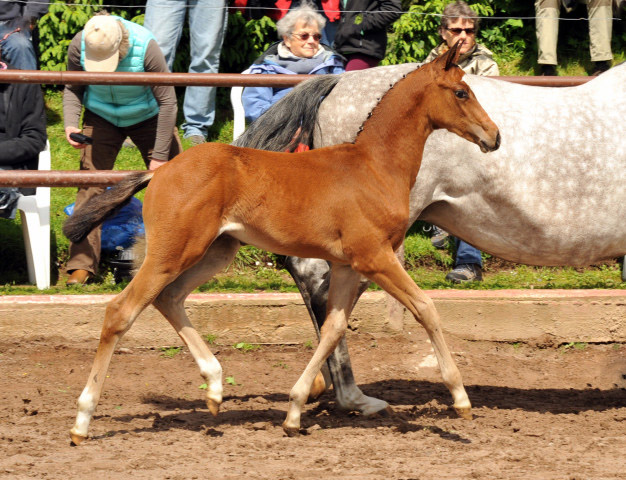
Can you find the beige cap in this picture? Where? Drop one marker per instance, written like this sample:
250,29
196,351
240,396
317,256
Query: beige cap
102,35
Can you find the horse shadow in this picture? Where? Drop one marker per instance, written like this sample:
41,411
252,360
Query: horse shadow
424,401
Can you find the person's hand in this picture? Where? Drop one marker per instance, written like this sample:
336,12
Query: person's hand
154,164
74,144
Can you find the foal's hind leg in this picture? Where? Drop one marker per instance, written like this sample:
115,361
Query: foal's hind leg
344,285
120,314
389,275
170,303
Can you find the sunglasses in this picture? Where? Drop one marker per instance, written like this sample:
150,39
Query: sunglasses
459,31
305,36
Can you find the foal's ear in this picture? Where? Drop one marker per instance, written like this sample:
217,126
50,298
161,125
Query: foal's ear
453,55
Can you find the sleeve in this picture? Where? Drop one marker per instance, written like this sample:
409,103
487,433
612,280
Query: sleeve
73,94
386,12
166,98
491,70
256,100
28,101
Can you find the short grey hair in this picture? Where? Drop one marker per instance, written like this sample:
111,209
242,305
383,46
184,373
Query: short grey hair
304,12
458,10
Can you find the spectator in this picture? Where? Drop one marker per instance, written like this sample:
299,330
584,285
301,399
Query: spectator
459,22
207,25
299,52
22,136
361,36
600,30
277,9
17,48
145,114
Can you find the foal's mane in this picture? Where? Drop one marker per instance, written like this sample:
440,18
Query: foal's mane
382,100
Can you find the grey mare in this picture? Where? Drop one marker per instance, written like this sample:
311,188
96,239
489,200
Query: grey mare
554,194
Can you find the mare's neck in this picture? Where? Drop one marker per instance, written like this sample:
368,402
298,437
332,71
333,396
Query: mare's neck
396,132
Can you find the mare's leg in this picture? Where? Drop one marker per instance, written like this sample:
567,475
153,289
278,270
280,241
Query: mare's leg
344,286
170,303
312,277
120,314
388,273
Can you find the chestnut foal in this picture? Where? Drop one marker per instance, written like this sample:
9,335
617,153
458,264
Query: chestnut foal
348,204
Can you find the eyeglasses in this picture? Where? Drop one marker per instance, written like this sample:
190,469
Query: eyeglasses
458,31
305,36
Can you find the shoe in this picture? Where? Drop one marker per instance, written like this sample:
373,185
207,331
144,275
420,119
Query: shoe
78,277
467,272
440,237
600,67
196,140
546,70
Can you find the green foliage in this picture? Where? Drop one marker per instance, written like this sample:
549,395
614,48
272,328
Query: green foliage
170,352
246,347
245,41
210,338
58,27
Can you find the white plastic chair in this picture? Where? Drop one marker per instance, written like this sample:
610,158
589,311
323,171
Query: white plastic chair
239,124
35,214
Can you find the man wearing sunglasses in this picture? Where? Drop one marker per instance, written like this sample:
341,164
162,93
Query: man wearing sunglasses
299,52
459,22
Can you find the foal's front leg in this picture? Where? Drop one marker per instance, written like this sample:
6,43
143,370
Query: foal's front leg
391,276
344,285
311,278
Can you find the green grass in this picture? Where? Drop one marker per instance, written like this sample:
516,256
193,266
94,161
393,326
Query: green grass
256,270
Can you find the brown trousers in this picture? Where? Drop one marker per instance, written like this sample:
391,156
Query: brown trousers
107,142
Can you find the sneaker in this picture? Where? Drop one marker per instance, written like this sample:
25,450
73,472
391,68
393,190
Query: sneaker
467,272
196,140
439,238
546,70
600,67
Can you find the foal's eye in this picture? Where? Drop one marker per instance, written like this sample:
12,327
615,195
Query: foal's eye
461,94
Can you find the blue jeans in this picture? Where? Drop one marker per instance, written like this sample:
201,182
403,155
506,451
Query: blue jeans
18,48
465,253
207,25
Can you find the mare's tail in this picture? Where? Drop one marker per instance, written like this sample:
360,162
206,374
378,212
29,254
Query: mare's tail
103,206
292,120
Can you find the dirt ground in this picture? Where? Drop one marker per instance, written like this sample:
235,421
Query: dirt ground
540,413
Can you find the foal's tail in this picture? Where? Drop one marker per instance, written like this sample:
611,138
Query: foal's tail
99,208
292,120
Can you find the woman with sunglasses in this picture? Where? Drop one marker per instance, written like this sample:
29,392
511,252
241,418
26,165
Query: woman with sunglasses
299,52
459,22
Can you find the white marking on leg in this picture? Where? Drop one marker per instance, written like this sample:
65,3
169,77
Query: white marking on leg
211,371
86,409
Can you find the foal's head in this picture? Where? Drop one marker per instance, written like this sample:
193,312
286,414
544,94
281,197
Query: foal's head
453,105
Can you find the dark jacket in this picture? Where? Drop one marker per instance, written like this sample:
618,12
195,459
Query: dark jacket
363,26
23,12
25,127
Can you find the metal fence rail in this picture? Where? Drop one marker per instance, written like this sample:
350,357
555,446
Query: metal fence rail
59,178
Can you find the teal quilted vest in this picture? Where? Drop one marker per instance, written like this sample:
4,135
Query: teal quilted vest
124,105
